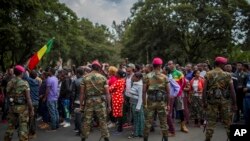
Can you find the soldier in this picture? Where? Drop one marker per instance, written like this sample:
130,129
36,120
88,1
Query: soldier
216,97
18,92
156,86
94,92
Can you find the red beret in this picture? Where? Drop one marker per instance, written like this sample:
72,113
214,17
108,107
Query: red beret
157,61
96,63
222,60
20,68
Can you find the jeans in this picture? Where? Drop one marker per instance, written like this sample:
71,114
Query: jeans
54,115
43,111
66,109
246,106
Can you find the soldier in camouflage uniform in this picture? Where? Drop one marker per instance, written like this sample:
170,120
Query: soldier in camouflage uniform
18,93
216,97
156,85
94,93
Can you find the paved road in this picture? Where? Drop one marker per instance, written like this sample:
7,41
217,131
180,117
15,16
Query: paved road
67,134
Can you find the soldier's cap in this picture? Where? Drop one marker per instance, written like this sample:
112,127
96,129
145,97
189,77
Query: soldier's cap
221,60
20,68
96,62
130,65
157,61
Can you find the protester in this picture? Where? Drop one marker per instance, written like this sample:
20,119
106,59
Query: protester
196,90
246,100
51,97
76,87
180,79
137,109
34,94
65,97
116,91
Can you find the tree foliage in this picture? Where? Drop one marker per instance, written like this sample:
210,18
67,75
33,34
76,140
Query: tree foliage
26,25
185,30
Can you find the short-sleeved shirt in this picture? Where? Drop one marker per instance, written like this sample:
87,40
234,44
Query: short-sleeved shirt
156,81
217,79
52,84
94,84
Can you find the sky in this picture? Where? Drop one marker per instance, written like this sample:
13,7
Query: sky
101,11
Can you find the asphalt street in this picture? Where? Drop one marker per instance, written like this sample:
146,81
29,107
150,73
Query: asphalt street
67,134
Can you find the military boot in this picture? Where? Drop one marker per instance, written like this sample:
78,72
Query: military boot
145,139
83,139
106,139
164,138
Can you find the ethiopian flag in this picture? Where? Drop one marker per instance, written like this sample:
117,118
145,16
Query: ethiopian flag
34,60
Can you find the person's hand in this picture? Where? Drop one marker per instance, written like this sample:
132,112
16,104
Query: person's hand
31,112
137,110
245,90
234,108
44,99
109,109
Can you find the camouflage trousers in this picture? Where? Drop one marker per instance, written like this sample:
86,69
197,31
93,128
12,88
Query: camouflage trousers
20,119
98,107
149,111
223,107
196,107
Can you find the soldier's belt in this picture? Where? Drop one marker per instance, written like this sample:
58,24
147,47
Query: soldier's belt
157,96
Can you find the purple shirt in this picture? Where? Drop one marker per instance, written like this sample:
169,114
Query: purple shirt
52,83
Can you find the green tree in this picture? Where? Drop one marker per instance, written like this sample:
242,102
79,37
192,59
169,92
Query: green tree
184,30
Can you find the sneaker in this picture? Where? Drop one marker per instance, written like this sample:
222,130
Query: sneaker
63,123
66,125
111,125
39,118
132,136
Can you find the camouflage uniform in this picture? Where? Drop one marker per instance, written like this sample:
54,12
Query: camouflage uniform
94,87
18,112
217,97
155,81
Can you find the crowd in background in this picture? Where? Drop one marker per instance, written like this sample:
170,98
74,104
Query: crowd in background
59,106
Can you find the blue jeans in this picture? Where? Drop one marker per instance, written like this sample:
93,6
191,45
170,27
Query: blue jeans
54,115
66,105
246,109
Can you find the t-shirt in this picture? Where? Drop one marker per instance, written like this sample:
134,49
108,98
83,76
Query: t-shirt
195,87
52,84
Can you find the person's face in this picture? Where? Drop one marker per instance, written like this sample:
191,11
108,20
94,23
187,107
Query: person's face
135,79
200,67
195,68
205,66
228,68
239,66
171,65
129,71
197,74
188,67
10,71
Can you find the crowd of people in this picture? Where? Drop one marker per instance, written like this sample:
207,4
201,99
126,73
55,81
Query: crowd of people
126,96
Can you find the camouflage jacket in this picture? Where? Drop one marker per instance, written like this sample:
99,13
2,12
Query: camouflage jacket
217,79
16,90
156,81
94,84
